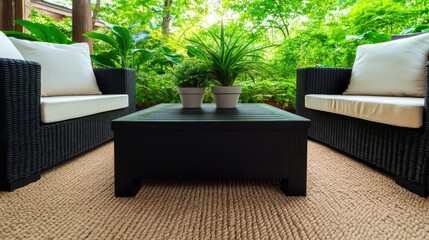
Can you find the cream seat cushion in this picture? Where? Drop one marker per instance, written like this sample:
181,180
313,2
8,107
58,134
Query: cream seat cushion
7,49
394,68
396,111
60,108
66,69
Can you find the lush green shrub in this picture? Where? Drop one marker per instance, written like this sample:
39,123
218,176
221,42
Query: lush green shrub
153,88
281,91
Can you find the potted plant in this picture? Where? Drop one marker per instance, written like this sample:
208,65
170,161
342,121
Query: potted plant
192,80
228,56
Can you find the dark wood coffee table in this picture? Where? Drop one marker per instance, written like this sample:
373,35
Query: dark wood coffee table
252,141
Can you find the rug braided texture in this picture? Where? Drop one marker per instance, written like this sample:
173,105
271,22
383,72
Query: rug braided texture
345,200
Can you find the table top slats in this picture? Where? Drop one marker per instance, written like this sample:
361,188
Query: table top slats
244,112
174,116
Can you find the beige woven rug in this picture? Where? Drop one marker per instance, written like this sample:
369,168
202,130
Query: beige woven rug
345,200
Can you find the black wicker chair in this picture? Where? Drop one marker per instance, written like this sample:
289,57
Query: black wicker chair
401,152
28,146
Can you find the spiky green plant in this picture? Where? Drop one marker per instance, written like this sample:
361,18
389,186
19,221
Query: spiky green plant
228,57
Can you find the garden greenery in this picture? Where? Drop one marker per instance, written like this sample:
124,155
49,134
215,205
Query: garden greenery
319,33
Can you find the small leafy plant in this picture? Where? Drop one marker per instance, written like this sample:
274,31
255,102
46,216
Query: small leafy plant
192,74
227,56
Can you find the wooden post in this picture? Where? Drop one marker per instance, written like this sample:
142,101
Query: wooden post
82,21
1,14
19,13
9,14
11,10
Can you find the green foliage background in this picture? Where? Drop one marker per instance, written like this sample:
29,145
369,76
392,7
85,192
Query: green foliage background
308,33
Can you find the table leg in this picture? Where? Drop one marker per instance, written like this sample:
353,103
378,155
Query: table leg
126,187
296,157
292,188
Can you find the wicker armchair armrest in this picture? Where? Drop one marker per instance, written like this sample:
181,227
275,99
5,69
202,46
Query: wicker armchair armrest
20,114
323,80
117,81
320,81
426,113
20,93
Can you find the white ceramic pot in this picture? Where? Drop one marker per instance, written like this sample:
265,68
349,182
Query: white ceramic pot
226,97
191,97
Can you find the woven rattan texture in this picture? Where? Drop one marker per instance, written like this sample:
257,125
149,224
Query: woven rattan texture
19,89
403,152
29,146
345,200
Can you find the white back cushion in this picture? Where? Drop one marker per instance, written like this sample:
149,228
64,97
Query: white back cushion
66,69
7,49
394,68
